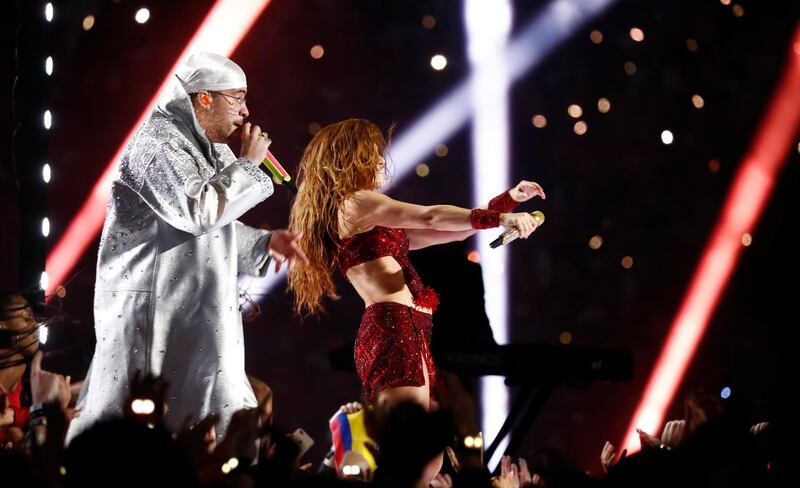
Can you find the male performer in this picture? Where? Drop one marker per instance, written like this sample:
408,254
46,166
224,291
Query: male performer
166,296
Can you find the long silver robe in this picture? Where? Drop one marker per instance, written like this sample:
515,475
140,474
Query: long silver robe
166,297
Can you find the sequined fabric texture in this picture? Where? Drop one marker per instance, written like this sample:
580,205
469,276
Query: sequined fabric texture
392,343
384,241
484,219
503,203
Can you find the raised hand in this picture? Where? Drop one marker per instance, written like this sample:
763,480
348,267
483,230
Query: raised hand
525,190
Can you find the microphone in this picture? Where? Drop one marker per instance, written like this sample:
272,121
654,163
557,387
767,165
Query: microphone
280,175
513,234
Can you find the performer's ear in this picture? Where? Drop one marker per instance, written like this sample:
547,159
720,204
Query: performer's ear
205,100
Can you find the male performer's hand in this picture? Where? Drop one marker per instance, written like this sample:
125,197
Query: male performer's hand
254,143
525,190
283,245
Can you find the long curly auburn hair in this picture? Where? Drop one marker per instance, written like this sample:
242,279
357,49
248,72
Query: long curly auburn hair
340,160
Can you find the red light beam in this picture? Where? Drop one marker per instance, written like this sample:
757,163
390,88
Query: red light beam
749,193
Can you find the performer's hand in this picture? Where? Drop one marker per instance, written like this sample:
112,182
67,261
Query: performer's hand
254,143
525,190
523,222
283,245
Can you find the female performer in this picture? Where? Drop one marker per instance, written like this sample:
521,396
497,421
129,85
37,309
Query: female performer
344,221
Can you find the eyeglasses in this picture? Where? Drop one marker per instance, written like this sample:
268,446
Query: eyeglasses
237,100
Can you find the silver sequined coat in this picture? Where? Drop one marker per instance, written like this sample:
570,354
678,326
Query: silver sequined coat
166,297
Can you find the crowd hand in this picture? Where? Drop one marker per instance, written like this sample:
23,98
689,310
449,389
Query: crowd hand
441,481
523,222
240,438
525,190
608,456
759,428
48,387
351,407
354,467
254,143
509,474
283,245
648,441
200,439
673,434
526,479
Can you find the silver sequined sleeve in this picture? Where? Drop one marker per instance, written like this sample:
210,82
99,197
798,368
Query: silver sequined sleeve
252,249
174,186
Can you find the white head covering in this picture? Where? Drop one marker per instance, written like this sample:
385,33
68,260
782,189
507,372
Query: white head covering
209,71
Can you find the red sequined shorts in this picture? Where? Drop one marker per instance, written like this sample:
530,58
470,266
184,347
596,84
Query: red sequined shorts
391,344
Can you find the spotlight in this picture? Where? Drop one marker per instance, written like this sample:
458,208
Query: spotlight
142,15
438,62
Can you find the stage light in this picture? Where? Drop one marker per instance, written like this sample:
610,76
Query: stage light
565,337
438,62
48,65
539,121
47,119
725,393
630,68
580,127
428,21
698,101
441,150
747,239
45,227
575,111
88,22
142,15
667,137
596,242
637,34
627,262
596,36
604,105
423,170
48,12
692,45
44,280
317,51
46,173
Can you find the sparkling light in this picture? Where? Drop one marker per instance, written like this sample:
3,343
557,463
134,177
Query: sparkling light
45,227
580,127
698,101
596,242
48,12
575,111
423,170
438,62
317,51
429,21
604,105
88,22
48,65
627,262
47,119
539,121
667,137
637,34
441,150
142,15
46,173
596,36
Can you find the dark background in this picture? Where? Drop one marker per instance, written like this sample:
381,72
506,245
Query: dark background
656,203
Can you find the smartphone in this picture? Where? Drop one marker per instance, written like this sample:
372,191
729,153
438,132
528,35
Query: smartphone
303,441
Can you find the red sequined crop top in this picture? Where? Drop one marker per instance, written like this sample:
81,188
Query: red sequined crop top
384,241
